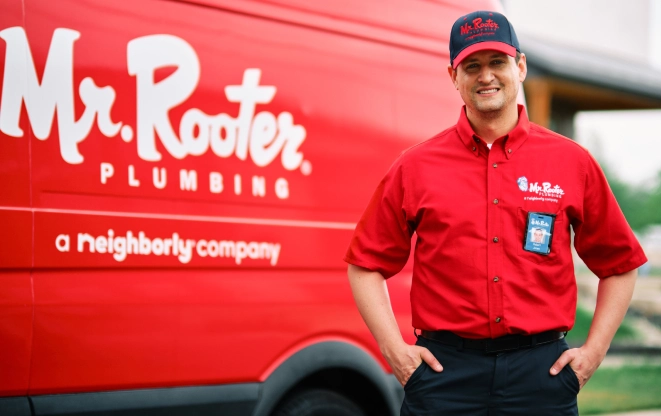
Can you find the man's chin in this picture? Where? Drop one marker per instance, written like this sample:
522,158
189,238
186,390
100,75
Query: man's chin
486,103
490,109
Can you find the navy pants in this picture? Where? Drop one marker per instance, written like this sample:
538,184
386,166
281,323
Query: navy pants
473,383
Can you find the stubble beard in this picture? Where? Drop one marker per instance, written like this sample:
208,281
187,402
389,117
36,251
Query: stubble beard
492,108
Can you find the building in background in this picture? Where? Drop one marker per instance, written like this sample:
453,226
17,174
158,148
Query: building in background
588,55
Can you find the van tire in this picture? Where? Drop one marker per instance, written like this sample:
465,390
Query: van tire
318,402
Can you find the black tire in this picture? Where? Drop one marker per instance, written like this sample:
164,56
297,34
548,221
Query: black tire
318,402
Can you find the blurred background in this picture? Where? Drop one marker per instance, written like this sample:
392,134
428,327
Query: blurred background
595,75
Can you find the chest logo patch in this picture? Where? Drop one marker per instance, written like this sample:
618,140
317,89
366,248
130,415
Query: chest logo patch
544,191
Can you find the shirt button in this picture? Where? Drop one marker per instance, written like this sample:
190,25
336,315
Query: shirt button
474,148
495,239
495,165
497,319
495,201
509,150
495,279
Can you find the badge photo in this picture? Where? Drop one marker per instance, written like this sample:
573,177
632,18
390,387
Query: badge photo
539,233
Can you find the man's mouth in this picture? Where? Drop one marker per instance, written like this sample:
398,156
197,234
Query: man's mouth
489,91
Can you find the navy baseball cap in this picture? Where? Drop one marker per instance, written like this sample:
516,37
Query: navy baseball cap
481,30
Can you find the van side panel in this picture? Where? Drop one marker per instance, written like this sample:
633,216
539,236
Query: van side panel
15,227
14,137
169,328
15,332
191,176
107,321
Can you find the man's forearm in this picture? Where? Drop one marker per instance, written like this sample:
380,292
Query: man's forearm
613,298
371,295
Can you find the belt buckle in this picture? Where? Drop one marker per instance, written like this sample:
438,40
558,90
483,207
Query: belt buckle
501,345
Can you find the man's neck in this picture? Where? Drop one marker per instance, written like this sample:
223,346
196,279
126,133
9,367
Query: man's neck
492,125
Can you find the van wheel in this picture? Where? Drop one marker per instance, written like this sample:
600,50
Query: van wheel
318,402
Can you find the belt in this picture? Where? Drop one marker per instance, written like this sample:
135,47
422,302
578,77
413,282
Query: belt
488,345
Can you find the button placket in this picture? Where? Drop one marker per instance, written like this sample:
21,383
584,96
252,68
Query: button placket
495,247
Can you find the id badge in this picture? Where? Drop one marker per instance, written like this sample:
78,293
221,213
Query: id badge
539,233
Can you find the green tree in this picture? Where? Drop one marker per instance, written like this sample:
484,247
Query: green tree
641,205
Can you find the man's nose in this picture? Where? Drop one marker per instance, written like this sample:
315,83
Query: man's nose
486,75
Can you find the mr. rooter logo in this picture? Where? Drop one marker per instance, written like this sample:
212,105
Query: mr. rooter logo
260,137
479,25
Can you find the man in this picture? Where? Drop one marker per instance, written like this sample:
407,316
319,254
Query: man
492,313
537,235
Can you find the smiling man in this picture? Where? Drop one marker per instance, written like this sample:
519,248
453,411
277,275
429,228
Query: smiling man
490,307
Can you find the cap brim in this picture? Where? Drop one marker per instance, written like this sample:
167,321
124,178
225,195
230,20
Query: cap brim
481,46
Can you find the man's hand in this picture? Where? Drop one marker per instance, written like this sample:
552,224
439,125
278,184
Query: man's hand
407,358
613,299
581,360
371,294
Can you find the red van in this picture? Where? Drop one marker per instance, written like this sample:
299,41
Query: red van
179,180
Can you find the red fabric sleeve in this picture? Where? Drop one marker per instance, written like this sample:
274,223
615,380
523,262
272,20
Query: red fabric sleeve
603,238
382,239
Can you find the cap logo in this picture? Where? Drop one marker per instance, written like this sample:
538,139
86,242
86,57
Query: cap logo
479,28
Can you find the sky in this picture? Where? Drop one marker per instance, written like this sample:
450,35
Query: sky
629,142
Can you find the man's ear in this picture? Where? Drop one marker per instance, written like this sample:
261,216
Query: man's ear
453,75
523,68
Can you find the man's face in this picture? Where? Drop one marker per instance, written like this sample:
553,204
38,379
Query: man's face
488,81
538,236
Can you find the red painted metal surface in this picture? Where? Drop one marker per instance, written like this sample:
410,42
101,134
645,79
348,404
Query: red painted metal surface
180,180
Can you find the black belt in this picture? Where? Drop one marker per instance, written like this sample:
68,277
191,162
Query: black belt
488,345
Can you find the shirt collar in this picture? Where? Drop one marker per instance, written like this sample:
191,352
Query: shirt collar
513,140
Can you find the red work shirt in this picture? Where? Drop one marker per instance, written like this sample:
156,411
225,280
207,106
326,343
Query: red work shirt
469,205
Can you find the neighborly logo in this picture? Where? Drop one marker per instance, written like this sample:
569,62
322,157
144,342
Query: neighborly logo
545,189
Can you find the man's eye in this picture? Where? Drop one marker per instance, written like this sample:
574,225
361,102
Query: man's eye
498,62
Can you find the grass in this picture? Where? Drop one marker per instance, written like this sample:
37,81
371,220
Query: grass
621,389
625,334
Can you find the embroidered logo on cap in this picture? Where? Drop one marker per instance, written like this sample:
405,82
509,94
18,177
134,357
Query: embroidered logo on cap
479,28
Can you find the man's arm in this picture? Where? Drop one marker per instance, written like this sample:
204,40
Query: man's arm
371,295
613,298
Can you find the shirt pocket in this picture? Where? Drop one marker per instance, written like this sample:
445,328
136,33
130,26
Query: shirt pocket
558,229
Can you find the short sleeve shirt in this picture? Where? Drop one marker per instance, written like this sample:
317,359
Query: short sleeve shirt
468,206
